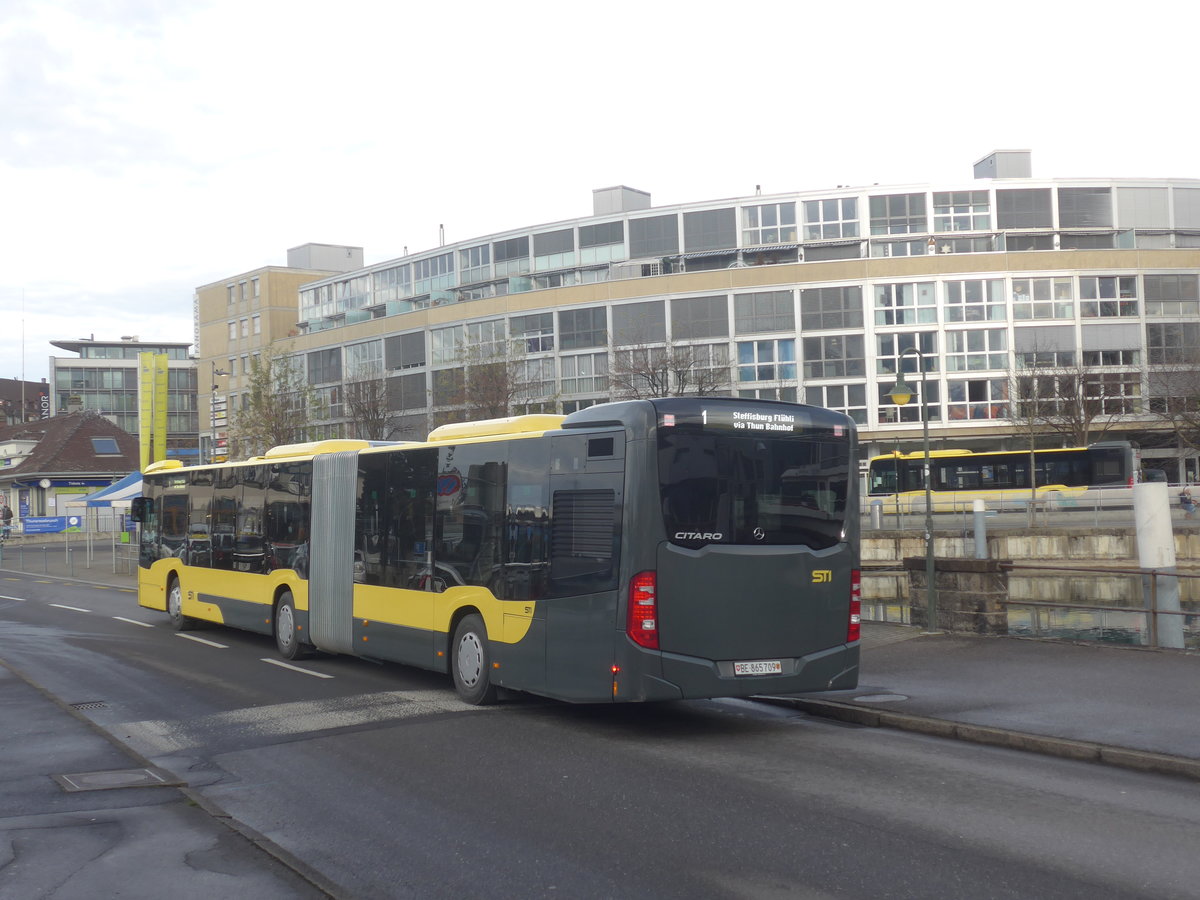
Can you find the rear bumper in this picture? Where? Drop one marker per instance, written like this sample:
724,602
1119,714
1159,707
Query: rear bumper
691,678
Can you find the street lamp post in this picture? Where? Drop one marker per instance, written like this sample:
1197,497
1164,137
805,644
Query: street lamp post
901,393
212,412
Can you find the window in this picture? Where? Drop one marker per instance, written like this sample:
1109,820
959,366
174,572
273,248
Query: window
850,399
834,356
770,360
700,317
1043,298
639,323
554,249
485,340
768,311
975,301
233,331
535,331
405,351
446,345
511,255
1024,208
947,244
891,349
579,328
1172,343
654,236
827,220
585,374
1108,296
968,351
434,274
325,366
105,446
245,327
1045,359
1085,207
475,263
535,379
364,360
1113,393
1172,295
831,307
448,386
980,398
961,211
905,304
256,324
1018,243
710,229
916,247
255,288
898,214
391,284
600,243
231,293
786,394
1099,358
771,223
407,392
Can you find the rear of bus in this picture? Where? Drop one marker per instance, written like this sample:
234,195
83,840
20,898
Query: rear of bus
740,562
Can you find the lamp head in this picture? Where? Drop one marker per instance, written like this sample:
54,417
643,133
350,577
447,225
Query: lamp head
900,393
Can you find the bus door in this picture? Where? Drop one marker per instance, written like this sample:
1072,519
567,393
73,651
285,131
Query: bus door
586,496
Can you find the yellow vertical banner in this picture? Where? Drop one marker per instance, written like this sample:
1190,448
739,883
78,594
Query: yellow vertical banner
161,393
145,405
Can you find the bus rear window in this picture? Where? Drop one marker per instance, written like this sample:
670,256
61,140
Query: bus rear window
743,489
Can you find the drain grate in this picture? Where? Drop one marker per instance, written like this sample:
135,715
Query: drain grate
115,778
90,704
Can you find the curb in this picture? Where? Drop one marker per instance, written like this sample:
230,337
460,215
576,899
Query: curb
1065,748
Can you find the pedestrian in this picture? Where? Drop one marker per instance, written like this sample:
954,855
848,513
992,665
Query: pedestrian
6,517
1186,501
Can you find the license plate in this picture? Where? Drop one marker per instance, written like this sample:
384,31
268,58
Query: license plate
759,667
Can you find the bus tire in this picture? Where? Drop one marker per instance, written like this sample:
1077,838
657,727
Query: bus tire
287,636
471,665
179,621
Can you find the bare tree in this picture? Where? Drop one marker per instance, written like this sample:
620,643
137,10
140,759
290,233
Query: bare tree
1076,403
368,407
280,406
493,381
642,371
1174,394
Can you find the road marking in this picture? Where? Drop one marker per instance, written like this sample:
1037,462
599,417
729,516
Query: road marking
73,608
200,640
17,599
133,621
159,736
283,665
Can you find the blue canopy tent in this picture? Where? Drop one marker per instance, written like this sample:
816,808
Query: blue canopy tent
119,493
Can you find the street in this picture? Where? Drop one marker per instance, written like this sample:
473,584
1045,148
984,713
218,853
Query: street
380,779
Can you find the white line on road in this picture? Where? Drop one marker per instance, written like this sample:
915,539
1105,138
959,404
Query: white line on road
283,665
72,608
17,599
200,640
133,621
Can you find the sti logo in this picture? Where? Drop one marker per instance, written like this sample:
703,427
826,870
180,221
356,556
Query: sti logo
822,576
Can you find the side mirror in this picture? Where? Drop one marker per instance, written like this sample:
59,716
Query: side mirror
141,508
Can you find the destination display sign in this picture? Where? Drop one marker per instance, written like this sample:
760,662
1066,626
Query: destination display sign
749,419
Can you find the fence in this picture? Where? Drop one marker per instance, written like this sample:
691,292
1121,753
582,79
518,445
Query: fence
73,555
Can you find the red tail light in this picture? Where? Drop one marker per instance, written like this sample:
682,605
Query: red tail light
854,627
641,621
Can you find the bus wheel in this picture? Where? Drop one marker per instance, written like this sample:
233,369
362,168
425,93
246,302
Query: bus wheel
287,639
179,621
471,665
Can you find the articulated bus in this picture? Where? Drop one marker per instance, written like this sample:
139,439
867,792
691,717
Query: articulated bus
641,550
1064,476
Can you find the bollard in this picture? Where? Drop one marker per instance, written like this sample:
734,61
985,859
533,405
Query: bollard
877,514
980,510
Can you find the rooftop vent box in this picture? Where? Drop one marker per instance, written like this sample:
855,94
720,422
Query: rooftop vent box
620,198
327,257
1005,164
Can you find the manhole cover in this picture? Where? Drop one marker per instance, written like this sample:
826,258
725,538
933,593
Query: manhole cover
114,778
880,698
90,704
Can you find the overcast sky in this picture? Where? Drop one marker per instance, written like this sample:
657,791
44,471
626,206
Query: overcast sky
151,146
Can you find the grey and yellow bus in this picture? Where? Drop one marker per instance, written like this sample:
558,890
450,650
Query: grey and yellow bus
643,550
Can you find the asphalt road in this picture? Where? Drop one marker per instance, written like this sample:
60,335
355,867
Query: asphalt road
378,777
